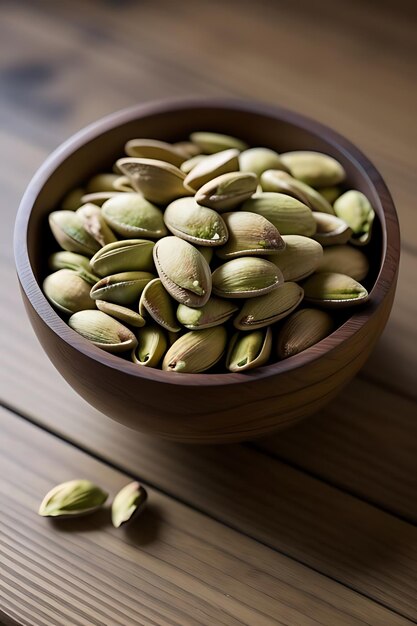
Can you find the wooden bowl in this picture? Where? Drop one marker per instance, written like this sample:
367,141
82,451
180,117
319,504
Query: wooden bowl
203,408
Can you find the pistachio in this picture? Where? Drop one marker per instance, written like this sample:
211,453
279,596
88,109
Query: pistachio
183,271
73,498
67,291
187,148
207,252
281,182
300,257
257,160
122,288
153,149
67,228
101,182
248,350
227,191
72,200
334,290
72,261
156,301
131,215
152,345
99,197
128,255
355,209
122,183
344,260
196,351
103,331
122,313
246,277
302,330
269,308
331,193
216,311
194,223
210,167
288,215
331,230
249,234
95,224
128,503
189,164
215,142
158,181
314,168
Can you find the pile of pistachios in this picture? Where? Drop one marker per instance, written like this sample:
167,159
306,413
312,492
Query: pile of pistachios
189,256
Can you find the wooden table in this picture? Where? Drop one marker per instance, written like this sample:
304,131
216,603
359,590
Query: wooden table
313,526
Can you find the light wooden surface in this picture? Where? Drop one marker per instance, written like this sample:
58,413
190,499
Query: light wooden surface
313,526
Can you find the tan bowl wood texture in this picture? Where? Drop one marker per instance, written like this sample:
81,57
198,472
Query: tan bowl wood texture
203,408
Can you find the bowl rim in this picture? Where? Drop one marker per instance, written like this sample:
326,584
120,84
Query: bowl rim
29,285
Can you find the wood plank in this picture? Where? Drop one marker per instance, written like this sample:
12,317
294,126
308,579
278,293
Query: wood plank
173,566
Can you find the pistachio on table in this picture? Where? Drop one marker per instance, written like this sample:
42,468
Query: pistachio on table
128,503
72,498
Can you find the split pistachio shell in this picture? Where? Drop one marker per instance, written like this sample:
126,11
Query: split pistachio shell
156,302
131,215
95,224
158,181
67,291
333,290
122,313
128,503
249,234
314,168
300,257
344,260
99,197
67,228
210,167
209,143
72,498
129,255
101,182
269,308
257,160
194,223
152,345
196,351
331,230
246,277
248,350
331,193
153,149
355,209
183,271
72,200
288,215
227,191
73,261
103,331
122,183
189,164
122,288
282,182
216,311
302,330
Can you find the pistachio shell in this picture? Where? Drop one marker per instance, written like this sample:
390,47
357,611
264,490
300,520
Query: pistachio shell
194,223
131,215
156,301
67,228
281,182
183,271
216,311
248,350
196,351
331,230
152,344
300,257
334,290
101,182
103,331
67,291
189,164
72,200
269,308
355,209
128,503
154,149
314,168
249,234
123,288
158,181
72,261
99,197
288,215
344,260
72,499
122,183
210,143
303,329
122,313
211,167
128,255
95,224
246,277
257,160
331,193
227,191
